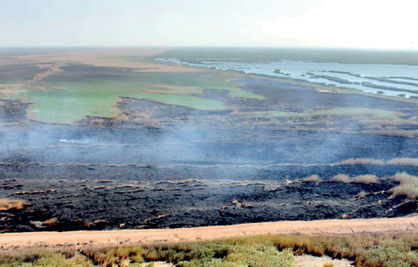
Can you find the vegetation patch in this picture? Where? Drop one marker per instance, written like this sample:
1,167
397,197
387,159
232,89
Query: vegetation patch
408,186
330,78
311,179
365,179
403,161
270,250
10,204
385,87
387,80
83,90
342,178
184,100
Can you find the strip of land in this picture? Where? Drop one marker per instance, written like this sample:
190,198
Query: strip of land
153,236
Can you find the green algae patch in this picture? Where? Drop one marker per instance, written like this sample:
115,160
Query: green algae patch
68,107
184,100
77,92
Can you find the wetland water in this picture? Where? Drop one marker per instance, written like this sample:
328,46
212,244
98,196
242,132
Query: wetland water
387,79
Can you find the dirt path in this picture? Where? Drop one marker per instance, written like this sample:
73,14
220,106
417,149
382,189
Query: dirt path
149,236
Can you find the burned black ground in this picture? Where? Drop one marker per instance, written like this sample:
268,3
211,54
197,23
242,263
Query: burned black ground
130,171
108,204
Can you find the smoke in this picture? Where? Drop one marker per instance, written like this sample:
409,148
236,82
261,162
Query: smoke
292,128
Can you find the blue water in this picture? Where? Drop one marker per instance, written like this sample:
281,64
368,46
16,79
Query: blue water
402,78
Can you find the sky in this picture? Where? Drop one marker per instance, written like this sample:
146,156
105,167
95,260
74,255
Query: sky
378,24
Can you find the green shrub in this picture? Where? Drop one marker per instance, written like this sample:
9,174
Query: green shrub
259,251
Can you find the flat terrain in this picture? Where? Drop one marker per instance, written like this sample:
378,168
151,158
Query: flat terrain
130,237
68,204
106,139
391,74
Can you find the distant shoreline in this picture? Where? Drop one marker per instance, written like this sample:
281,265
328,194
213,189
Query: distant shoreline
345,76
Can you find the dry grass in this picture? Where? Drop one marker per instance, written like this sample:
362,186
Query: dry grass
361,161
241,204
180,182
362,194
126,58
379,251
403,161
408,186
35,192
50,222
360,179
311,179
222,253
342,178
121,117
159,217
47,223
269,250
365,179
10,204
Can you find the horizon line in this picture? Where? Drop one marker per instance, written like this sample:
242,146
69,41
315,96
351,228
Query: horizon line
204,46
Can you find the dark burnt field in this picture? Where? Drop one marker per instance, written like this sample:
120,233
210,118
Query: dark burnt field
160,165
109,204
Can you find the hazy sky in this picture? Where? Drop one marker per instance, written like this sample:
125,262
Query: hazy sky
388,24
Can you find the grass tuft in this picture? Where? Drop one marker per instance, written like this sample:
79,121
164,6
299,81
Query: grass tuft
10,204
50,222
403,162
311,179
341,178
408,186
365,179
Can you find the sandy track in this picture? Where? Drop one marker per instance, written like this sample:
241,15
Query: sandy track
149,236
